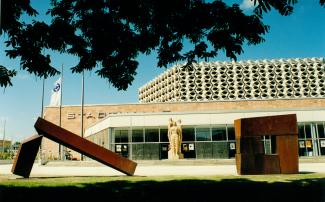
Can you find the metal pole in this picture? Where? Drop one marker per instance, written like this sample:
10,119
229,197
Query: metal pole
60,108
82,107
42,116
42,110
4,136
62,80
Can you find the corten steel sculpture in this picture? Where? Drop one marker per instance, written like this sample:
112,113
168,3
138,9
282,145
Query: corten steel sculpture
75,142
25,157
250,156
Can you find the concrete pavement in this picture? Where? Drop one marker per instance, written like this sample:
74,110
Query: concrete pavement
144,170
51,171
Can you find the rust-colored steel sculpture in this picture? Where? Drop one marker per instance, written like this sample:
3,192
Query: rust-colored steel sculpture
250,157
28,149
26,155
83,146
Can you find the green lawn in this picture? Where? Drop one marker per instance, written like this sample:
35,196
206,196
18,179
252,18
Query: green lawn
302,187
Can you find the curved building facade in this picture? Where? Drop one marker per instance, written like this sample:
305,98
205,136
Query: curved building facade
216,81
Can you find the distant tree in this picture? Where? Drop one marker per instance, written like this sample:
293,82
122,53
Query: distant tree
108,35
16,145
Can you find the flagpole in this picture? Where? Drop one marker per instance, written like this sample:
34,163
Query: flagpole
4,136
60,107
42,109
82,107
42,115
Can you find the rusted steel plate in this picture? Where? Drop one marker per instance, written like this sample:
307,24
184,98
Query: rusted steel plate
85,147
268,125
26,155
269,164
250,157
245,164
237,126
255,164
287,149
249,145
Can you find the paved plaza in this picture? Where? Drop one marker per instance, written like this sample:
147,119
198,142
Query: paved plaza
146,169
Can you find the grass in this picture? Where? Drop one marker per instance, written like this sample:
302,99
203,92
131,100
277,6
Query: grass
301,187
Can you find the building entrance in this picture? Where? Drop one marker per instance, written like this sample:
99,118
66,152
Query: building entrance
122,149
188,150
163,151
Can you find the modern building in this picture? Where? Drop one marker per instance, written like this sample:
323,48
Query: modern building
207,98
244,80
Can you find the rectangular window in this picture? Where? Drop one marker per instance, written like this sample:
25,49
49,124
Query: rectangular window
152,135
320,129
188,134
301,131
121,136
308,131
137,135
203,134
219,133
164,135
231,132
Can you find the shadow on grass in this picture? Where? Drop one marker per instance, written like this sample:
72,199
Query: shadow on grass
306,172
186,190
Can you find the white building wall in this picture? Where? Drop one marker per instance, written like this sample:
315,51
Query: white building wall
203,118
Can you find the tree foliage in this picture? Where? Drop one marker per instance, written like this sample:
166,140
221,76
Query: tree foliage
108,35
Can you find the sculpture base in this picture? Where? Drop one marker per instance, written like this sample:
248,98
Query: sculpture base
174,157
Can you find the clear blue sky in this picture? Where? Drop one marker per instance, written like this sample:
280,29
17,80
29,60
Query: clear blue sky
300,35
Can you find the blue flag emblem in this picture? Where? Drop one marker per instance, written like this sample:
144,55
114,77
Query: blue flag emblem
57,87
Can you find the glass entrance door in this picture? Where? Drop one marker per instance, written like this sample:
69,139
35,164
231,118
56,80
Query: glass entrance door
122,149
308,141
188,146
314,136
164,150
321,136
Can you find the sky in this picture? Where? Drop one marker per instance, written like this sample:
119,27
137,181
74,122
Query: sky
299,35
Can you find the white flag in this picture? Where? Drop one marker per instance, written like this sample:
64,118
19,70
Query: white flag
56,94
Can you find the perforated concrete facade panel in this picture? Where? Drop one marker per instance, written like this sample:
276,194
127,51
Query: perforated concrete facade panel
244,80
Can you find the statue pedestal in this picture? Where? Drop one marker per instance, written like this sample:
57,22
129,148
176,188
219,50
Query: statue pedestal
175,157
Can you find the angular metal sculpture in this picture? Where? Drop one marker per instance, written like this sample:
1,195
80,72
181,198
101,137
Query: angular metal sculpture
26,155
250,157
75,142
83,146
